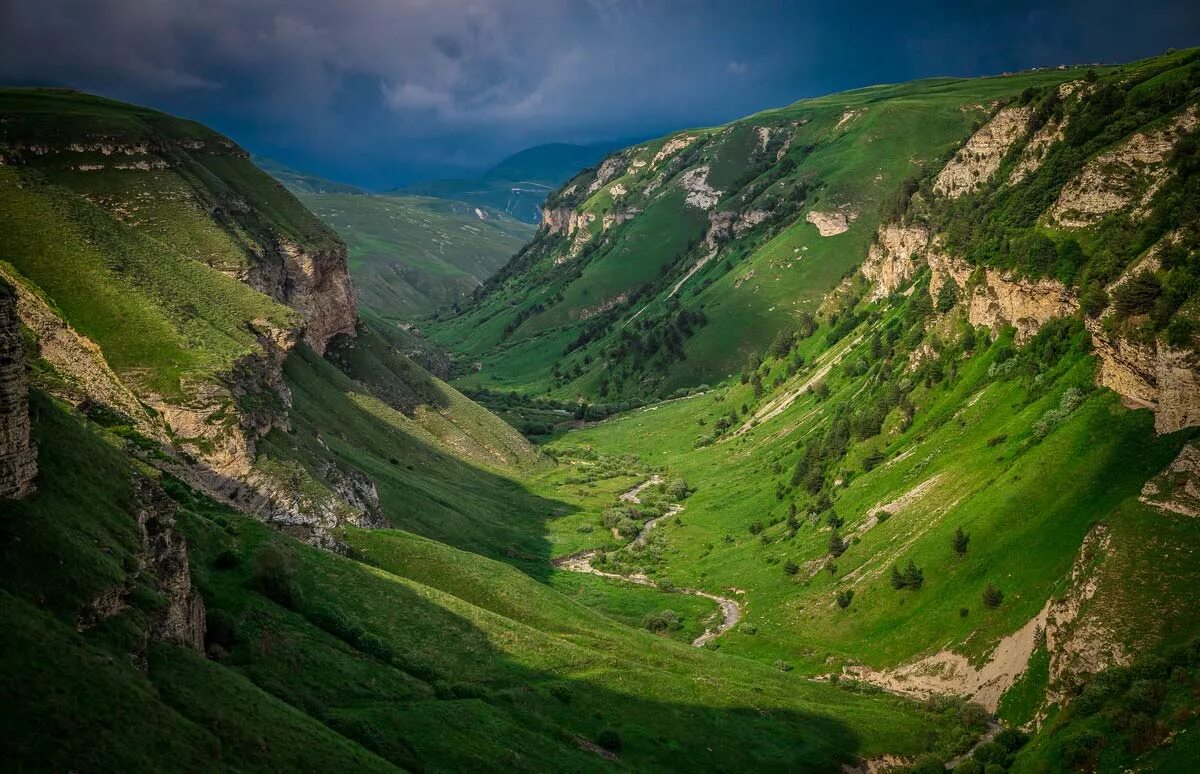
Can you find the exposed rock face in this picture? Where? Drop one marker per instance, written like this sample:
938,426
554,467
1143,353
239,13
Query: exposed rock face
832,223
1077,645
1177,489
699,193
612,219
1035,150
182,619
1051,132
1126,177
314,283
613,167
672,146
163,560
18,456
891,261
85,374
564,220
1081,644
1155,376
1002,299
980,157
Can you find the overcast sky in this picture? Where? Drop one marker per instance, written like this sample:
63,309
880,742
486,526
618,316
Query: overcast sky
381,92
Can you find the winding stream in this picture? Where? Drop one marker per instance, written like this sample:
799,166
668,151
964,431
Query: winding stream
731,610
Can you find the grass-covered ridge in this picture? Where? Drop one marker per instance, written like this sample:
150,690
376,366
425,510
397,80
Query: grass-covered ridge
674,296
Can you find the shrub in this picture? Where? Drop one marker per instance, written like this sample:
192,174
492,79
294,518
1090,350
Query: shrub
756,527
845,598
791,568
228,559
783,666
667,620
961,541
274,575
1137,294
837,546
882,516
678,489
221,630
992,596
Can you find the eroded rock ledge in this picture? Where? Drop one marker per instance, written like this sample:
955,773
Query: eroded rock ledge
18,456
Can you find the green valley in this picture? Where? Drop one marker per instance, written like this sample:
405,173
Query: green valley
856,435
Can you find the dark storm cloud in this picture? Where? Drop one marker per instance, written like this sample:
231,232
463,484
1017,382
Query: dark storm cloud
379,91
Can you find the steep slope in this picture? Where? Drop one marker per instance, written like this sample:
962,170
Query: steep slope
519,184
410,255
969,468
167,283
674,260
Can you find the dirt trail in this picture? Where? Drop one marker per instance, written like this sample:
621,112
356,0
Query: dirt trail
731,610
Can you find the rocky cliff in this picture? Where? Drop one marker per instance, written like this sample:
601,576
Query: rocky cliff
161,213
18,457
1002,299
893,258
980,157
1151,375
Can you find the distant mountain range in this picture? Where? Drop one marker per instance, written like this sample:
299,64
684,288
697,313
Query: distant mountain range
520,183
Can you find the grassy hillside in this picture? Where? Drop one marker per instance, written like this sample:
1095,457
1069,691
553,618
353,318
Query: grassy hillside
302,182
665,307
919,477
410,255
393,660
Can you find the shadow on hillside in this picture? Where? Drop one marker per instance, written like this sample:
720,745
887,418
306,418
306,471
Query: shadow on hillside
421,488
564,695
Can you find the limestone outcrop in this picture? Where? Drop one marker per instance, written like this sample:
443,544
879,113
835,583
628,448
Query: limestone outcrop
1154,375
1002,299
1124,178
162,561
832,223
893,258
980,157
18,456
315,283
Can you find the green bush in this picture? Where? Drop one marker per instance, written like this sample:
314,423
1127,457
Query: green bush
275,575
664,621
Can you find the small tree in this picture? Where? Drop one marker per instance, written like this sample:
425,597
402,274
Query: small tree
961,541
947,296
914,577
837,546
992,596
845,598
